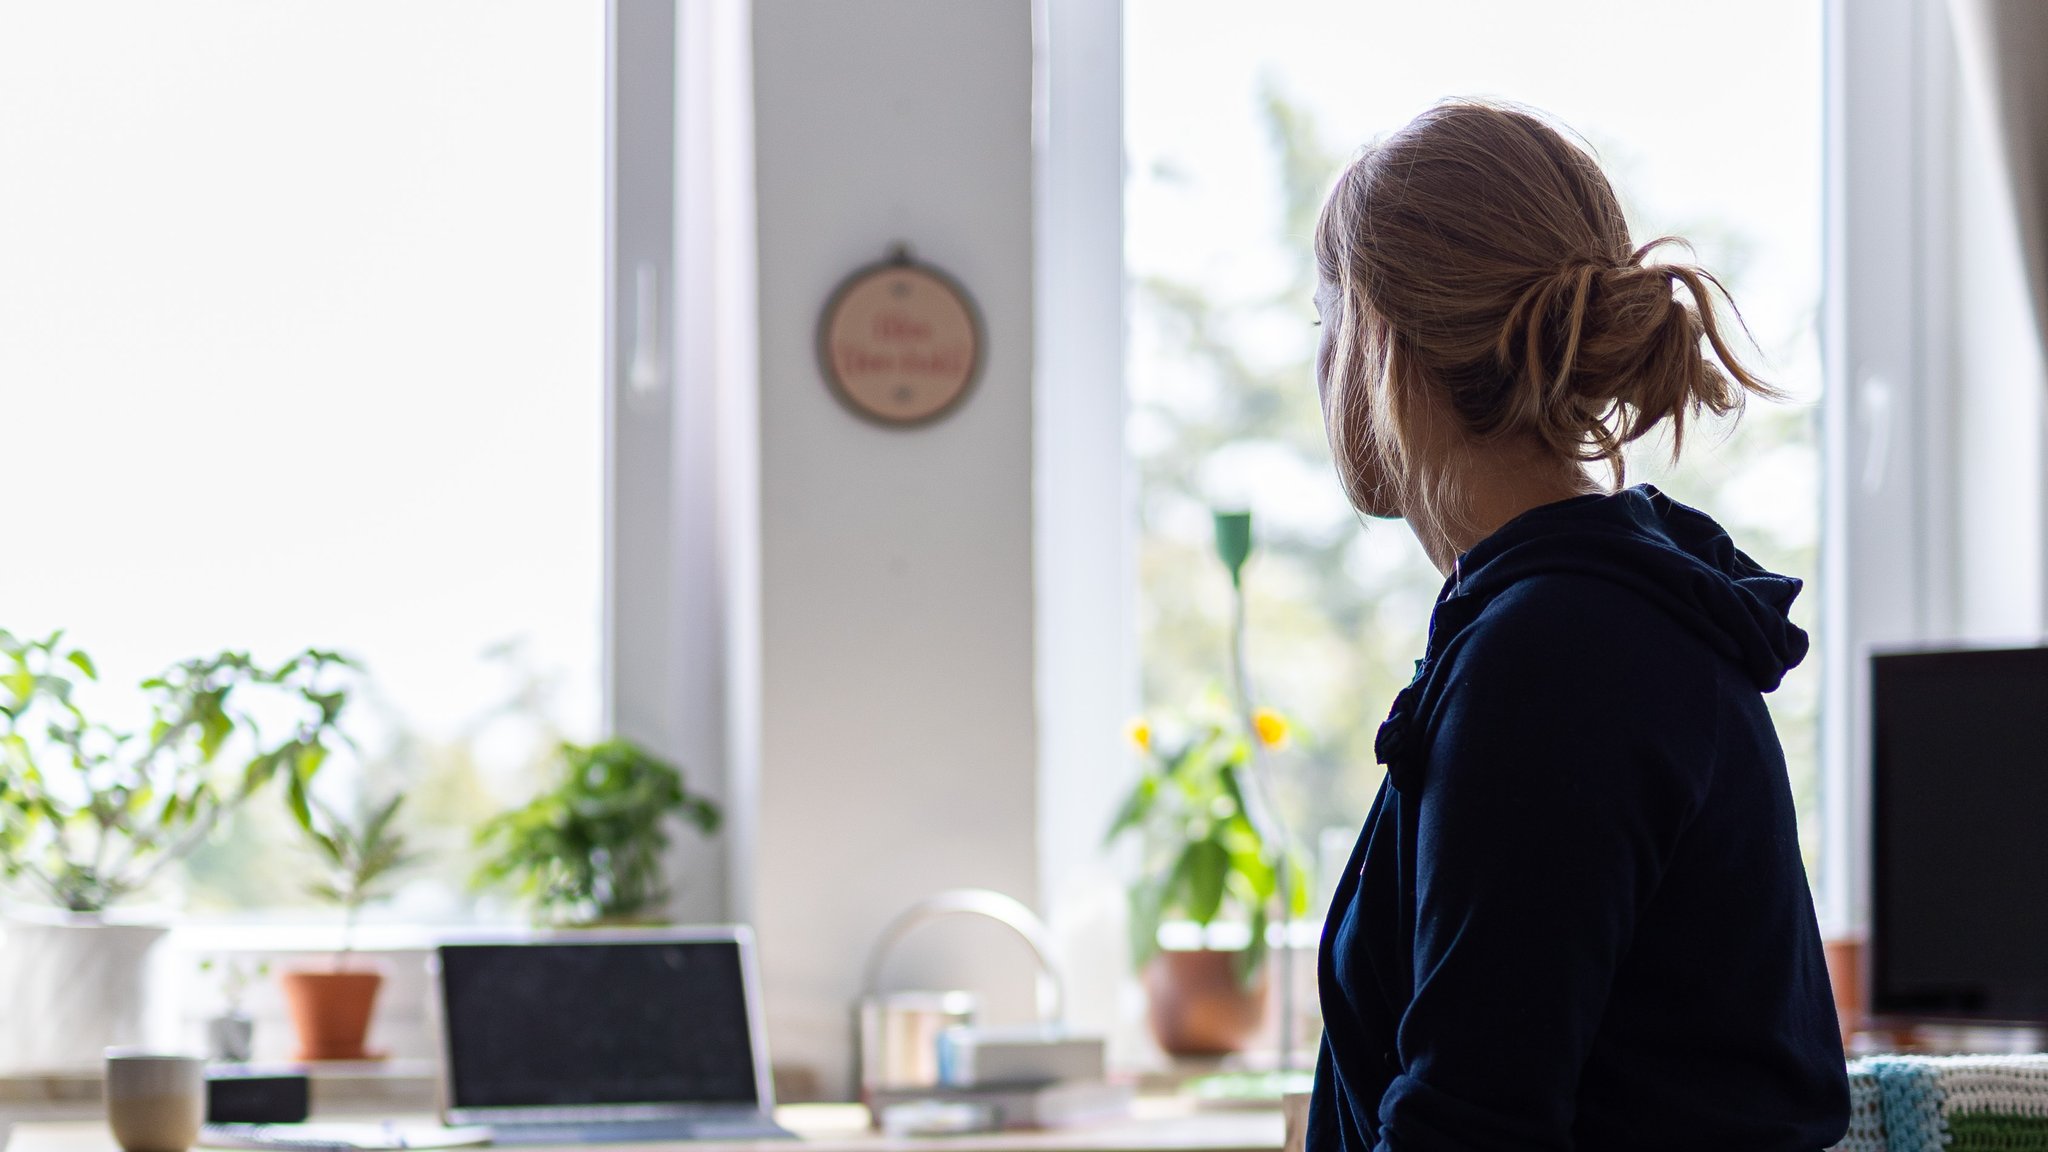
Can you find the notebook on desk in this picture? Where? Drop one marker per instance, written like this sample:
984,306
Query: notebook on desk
606,1037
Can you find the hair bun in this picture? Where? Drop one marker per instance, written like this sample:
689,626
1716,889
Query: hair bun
1597,353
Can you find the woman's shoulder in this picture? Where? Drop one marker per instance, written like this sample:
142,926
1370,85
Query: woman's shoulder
1585,677
1576,647
1565,616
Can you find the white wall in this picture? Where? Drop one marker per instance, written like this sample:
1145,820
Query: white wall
896,663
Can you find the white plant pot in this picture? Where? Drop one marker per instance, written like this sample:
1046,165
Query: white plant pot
70,986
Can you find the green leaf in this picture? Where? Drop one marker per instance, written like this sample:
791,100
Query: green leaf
1258,875
258,771
83,663
1192,756
295,800
1248,962
1147,909
704,814
311,756
375,832
1136,807
330,847
1206,866
214,725
1226,775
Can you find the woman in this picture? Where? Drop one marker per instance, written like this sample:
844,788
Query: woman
1577,916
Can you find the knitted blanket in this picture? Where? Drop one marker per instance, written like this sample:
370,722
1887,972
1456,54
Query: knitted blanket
1951,1103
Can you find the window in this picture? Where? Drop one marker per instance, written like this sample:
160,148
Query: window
1224,408
301,343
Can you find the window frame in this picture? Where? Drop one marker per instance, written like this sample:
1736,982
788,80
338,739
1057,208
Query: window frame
681,452
1084,578
1887,522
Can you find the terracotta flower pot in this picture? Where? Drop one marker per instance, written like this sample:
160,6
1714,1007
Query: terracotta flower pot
1845,975
1198,1006
331,1012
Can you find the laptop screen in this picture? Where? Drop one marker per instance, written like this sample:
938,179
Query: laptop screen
563,1024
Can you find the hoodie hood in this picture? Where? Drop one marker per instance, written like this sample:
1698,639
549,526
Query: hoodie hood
1675,557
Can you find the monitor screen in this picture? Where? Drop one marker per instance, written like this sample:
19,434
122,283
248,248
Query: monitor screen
1960,864
561,1024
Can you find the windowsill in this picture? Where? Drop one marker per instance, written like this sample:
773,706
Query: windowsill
337,1086
286,936
1306,932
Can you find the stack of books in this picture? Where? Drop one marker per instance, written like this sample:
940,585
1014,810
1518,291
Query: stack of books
1026,1078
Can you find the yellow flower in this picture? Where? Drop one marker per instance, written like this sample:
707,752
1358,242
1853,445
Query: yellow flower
1271,727
1139,733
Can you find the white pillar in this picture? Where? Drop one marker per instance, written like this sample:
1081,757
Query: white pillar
897,728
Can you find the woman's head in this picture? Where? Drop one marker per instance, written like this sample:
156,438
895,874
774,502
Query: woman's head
1484,306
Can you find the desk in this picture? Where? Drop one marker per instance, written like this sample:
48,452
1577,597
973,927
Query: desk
340,1092
1159,1126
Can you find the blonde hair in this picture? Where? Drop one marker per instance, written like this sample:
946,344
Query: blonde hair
1489,291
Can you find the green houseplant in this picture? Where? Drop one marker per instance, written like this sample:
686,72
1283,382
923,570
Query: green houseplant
357,858
588,849
331,1009
1204,859
1210,848
92,814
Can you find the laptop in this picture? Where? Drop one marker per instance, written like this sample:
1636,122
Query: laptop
602,1037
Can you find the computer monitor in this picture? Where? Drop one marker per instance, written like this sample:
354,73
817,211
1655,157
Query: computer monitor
1960,836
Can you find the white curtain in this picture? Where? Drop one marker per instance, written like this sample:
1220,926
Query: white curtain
2003,45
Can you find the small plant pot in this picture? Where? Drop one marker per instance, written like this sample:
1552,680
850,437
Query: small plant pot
1198,1006
331,1012
230,1038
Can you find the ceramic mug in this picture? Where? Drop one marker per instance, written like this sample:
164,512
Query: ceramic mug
155,1102
1294,1108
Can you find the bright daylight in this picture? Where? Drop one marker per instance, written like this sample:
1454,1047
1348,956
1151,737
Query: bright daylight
1024,575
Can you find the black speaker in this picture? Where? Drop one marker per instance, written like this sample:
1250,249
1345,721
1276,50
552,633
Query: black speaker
256,1098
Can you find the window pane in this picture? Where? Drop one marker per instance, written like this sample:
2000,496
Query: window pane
300,344
1237,123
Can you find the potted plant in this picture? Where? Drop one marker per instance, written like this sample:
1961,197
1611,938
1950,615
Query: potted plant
588,849
1204,860
231,1034
91,815
331,1009
1211,847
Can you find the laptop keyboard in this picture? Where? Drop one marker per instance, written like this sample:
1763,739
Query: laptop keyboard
361,1137
641,1131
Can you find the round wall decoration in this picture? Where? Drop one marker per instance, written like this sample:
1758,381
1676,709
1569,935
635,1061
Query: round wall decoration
900,341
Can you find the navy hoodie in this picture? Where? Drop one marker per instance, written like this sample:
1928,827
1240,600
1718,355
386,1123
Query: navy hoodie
1577,916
